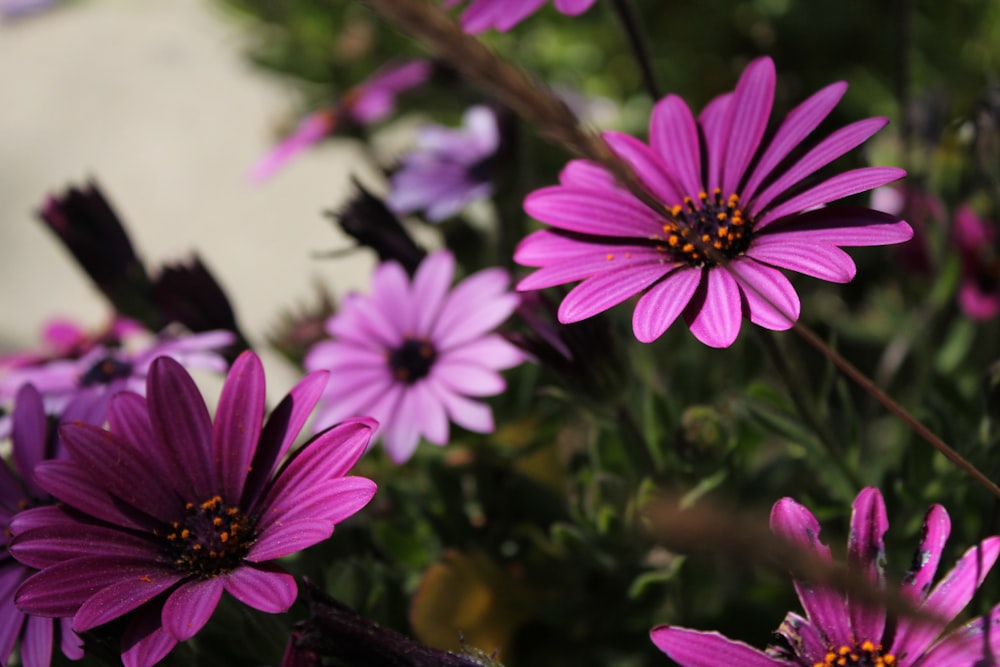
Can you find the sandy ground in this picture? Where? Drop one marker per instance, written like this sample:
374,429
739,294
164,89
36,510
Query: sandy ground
154,99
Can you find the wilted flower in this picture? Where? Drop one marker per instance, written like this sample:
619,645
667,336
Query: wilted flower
505,14
33,441
411,353
714,249
365,104
839,630
975,238
450,169
166,510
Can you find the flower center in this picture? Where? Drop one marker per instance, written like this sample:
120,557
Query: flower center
412,360
865,654
701,230
104,371
211,539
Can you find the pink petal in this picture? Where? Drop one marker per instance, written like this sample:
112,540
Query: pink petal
818,260
934,534
841,226
144,641
601,292
647,165
331,501
865,557
673,134
391,297
188,609
595,259
492,351
433,418
713,120
750,110
836,187
715,312
238,422
584,175
288,538
311,129
430,287
691,648
122,597
472,415
36,642
770,297
574,7
602,213
401,434
663,303
265,587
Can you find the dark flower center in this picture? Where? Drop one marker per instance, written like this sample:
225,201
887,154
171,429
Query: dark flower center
412,360
104,371
211,539
865,654
699,231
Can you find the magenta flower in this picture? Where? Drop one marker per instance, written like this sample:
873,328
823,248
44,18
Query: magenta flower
503,15
366,104
32,442
975,238
840,631
740,204
450,169
411,353
166,510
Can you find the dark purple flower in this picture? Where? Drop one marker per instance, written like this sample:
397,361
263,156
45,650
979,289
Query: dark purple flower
366,104
411,354
33,440
975,238
505,14
840,631
166,510
734,212
923,211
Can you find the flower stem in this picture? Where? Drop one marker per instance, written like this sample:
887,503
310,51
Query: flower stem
627,16
862,380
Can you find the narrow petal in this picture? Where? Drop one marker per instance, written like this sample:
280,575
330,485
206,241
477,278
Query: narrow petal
840,226
647,165
144,641
401,434
663,303
968,644
77,488
713,120
714,313
69,642
238,422
331,501
751,108
433,418
47,545
472,415
934,534
36,642
866,558
600,213
585,175
11,619
804,638
122,597
690,648
468,379
289,538
492,351
430,287
265,587
477,305
188,608
28,435
819,260
769,295
836,187
608,289
673,135
391,297
596,259
311,129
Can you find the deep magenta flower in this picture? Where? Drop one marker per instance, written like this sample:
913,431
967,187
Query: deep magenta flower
503,15
410,354
975,238
367,103
165,510
740,203
840,631
32,441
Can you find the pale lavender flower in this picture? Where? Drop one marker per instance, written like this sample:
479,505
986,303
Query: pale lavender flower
412,353
503,15
741,204
450,168
838,630
166,510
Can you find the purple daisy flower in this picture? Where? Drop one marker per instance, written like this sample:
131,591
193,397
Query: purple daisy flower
411,353
450,169
32,441
366,104
840,631
975,238
166,510
503,15
741,204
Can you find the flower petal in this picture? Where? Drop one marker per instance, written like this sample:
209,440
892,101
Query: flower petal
144,641
188,608
28,436
714,123
430,287
770,297
289,538
601,213
265,587
123,596
647,165
673,135
750,110
715,312
836,187
865,557
934,534
585,175
605,290
841,226
238,422
77,488
663,303
36,642
819,260
690,648
594,259
46,545
472,415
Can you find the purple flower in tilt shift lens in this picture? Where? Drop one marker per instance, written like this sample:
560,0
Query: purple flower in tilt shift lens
975,238
33,441
165,510
728,223
366,104
505,14
411,353
840,631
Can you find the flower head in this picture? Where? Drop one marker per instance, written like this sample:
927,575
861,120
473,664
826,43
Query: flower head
839,630
410,354
33,440
728,223
503,15
975,238
166,510
365,104
450,169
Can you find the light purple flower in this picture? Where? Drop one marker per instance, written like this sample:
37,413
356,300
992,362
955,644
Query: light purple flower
32,441
975,238
365,104
835,622
503,15
111,366
410,354
740,202
166,510
450,168
10,9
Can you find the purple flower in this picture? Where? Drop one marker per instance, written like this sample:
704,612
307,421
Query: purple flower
503,15
10,9
450,169
836,626
107,368
32,442
166,510
366,104
975,238
740,203
411,353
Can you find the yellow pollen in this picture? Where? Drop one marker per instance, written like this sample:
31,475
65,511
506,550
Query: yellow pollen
610,257
217,521
185,534
224,536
